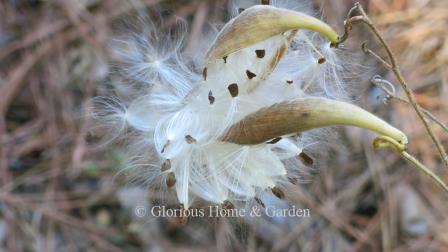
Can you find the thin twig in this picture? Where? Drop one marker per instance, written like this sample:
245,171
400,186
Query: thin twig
390,95
423,168
366,50
382,142
394,67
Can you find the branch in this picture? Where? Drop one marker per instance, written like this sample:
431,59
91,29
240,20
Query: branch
394,67
387,142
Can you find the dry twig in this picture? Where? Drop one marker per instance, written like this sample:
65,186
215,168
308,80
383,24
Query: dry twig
394,67
379,82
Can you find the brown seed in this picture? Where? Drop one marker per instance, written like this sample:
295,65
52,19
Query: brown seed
211,98
171,179
204,73
277,192
260,53
233,89
225,59
227,205
165,146
183,220
190,139
166,165
240,10
307,160
250,75
275,140
183,217
289,81
321,60
293,181
259,201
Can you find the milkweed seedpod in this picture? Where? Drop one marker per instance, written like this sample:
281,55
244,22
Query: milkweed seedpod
262,22
224,133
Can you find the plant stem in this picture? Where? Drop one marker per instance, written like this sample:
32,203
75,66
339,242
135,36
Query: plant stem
394,67
423,168
382,142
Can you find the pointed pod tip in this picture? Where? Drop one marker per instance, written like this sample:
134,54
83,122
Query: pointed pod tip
309,113
398,144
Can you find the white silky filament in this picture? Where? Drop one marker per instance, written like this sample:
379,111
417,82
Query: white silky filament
183,112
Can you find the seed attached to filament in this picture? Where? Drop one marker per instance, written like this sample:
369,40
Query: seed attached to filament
307,160
260,53
227,205
321,61
275,140
183,218
233,89
277,192
166,165
293,181
211,98
250,75
190,139
258,200
204,73
171,179
165,146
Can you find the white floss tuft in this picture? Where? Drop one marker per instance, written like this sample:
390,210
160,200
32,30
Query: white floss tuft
181,113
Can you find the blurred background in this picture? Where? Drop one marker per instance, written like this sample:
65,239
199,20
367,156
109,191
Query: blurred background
62,191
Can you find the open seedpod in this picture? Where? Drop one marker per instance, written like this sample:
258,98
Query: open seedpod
260,23
230,133
263,22
250,117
